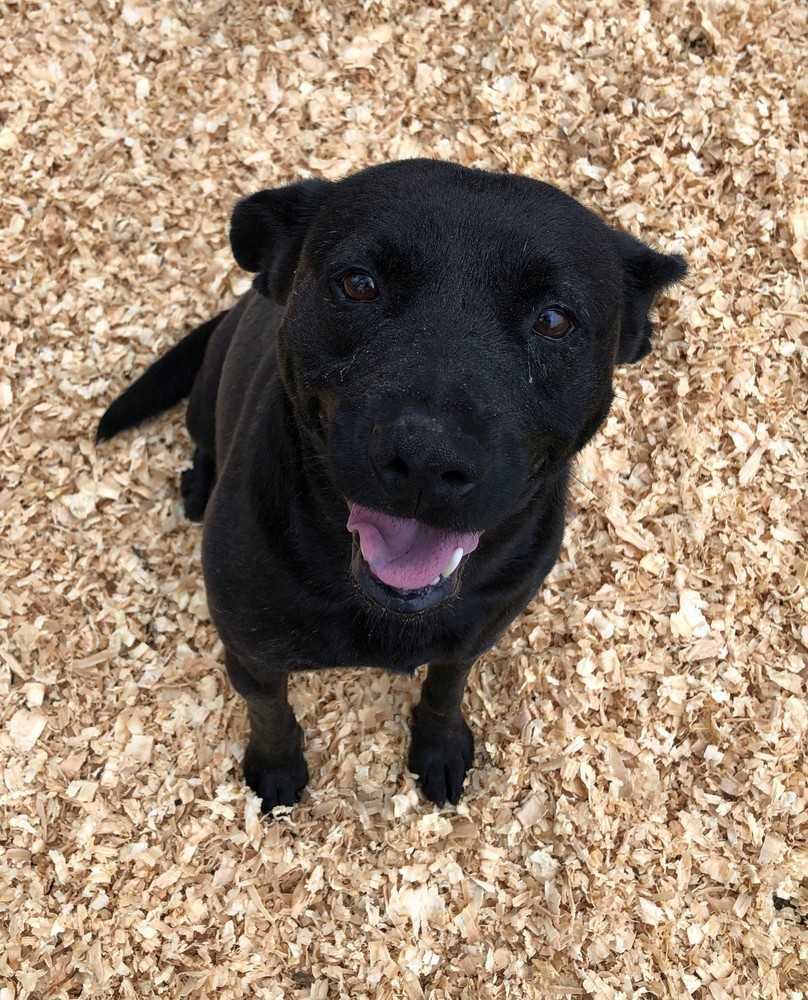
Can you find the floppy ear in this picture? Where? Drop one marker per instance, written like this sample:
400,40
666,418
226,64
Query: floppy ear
645,273
267,230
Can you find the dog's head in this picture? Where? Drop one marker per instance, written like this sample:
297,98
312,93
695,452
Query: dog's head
448,343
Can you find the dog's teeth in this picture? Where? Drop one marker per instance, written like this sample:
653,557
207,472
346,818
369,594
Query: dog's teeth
435,582
453,563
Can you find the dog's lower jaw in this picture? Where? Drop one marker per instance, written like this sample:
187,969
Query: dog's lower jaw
400,602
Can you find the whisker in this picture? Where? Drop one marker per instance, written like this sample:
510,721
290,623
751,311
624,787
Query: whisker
580,481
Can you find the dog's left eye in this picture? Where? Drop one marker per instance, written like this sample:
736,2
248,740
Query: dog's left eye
359,286
553,322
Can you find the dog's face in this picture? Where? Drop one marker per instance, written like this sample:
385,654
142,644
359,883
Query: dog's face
448,344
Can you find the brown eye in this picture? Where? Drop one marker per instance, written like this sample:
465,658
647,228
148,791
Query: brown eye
553,323
359,286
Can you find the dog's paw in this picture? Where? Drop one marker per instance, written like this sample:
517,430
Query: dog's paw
196,485
277,783
193,502
441,753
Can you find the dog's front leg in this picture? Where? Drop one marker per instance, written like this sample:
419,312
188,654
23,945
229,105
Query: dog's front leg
442,747
274,765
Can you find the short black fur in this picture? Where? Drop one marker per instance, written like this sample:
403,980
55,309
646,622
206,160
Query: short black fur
436,400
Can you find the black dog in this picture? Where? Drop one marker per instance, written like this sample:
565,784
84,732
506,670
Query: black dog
384,427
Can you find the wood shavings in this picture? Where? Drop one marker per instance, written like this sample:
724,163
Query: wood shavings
24,729
635,822
798,219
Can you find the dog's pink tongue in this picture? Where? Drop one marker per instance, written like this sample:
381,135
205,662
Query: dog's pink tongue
404,553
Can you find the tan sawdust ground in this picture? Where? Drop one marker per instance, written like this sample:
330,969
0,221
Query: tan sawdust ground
635,823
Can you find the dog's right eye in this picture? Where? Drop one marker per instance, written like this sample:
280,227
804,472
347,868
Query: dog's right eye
553,323
359,286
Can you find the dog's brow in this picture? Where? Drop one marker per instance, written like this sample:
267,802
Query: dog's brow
528,274
381,252
535,269
536,274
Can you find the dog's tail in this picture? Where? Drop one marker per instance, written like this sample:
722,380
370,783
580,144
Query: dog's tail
161,386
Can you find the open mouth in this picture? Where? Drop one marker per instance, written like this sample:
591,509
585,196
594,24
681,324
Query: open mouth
403,564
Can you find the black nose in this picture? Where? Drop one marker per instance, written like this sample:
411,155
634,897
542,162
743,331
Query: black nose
417,456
